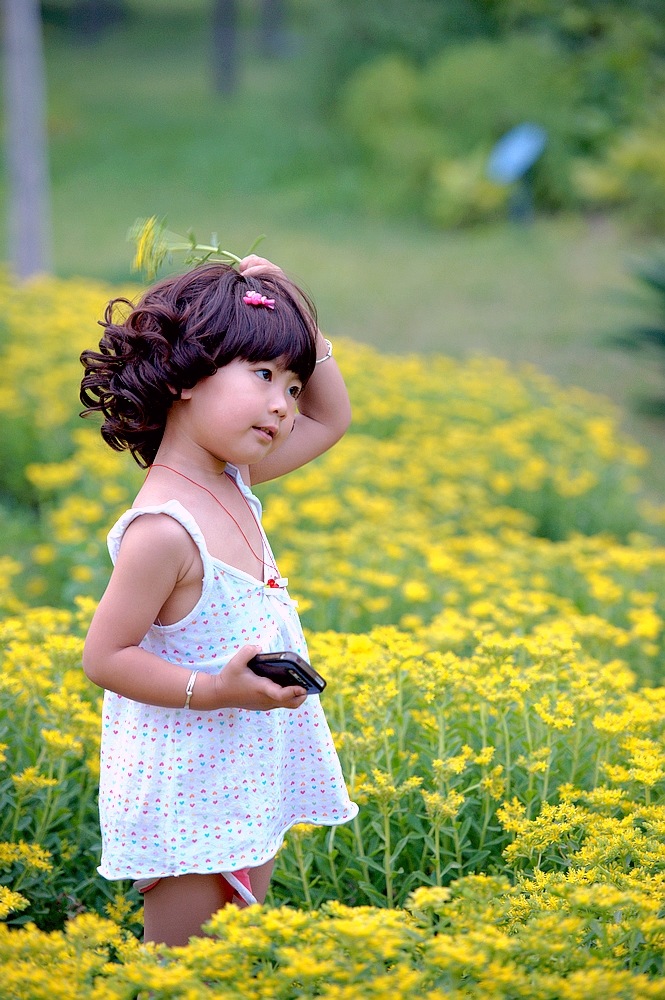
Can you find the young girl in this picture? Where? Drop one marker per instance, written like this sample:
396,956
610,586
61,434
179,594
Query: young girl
217,380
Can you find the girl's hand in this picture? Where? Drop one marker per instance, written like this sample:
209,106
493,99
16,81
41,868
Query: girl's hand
239,687
254,266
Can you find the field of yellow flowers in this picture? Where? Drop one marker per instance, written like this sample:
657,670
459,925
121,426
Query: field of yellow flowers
483,585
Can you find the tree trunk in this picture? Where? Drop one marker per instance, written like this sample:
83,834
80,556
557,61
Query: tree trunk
25,140
91,18
272,28
225,45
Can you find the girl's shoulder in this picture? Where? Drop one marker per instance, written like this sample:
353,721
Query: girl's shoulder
164,526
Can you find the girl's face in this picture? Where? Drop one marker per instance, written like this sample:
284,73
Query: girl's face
240,414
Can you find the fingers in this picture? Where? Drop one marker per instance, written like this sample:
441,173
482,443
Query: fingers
282,697
286,697
240,687
253,266
244,655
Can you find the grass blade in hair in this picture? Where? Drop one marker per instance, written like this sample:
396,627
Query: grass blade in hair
156,244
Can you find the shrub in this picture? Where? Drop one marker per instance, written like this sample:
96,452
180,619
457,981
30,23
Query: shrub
648,336
461,192
43,328
511,792
436,126
432,127
49,747
502,742
474,93
551,940
380,108
629,171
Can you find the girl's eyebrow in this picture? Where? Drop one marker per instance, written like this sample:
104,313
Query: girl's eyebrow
274,361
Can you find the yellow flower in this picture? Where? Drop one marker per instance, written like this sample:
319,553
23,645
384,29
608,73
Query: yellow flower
151,247
442,807
60,743
31,780
494,783
416,591
31,856
44,554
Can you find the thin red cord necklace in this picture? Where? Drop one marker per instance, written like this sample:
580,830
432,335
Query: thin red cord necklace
272,582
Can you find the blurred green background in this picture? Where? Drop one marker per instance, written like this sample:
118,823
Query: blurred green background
355,135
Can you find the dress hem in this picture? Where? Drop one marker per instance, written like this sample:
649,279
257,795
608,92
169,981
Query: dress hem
232,866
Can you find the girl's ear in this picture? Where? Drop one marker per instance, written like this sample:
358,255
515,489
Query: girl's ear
186,394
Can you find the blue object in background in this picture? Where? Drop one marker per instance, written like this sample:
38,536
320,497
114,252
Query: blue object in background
516,152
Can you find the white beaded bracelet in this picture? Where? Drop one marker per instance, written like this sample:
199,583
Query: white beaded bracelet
189,690
325,357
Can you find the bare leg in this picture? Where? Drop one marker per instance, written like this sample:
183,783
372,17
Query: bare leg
260,879
176,908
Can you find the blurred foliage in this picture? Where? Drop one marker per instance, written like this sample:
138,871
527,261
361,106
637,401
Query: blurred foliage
429,130
612,35
423,91
426,93
351,33
630,173
649,335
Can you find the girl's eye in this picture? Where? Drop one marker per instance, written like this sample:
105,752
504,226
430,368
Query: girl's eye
265,374
295,390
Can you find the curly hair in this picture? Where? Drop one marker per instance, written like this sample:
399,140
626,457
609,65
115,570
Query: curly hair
182,330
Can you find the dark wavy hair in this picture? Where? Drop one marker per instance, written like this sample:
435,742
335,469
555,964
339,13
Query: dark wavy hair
182,330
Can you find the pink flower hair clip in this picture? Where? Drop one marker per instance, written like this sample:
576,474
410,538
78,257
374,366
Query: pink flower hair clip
256,299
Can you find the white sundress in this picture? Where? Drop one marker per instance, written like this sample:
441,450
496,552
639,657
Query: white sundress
186,791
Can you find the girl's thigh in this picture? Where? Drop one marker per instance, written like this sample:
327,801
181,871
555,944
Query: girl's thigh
176,908
260,879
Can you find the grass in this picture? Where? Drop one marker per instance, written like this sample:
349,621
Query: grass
135,129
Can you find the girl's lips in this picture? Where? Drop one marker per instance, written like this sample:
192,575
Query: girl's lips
267,432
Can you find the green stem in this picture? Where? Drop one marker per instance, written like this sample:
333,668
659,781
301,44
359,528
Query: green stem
360,848
387,867
506,743
599,761
231,256
546,778
527,729
437,852
442,735
386,750
576,755
486,821
529,797
458,848
300,860
331,861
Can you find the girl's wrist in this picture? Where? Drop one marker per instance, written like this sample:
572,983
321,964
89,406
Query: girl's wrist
323,347
206,695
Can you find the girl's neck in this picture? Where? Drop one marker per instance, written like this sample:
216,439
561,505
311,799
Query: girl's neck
205,469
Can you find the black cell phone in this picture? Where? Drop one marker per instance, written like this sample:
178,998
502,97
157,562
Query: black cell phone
287,668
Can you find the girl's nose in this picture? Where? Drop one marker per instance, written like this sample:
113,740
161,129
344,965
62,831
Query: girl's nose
280,403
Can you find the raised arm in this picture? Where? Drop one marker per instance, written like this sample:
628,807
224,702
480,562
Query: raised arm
324,409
